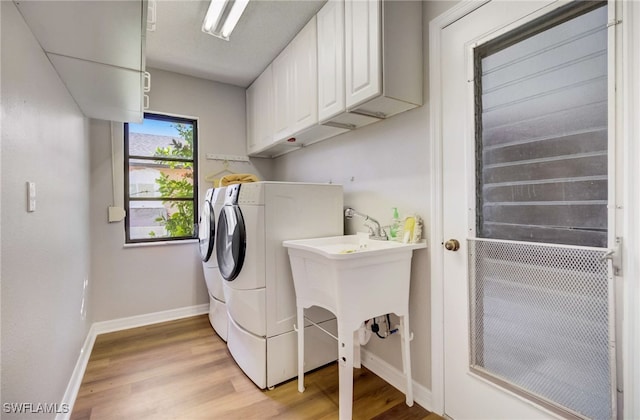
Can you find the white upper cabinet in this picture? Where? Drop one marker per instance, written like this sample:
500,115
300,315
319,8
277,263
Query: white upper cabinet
282,93
381,73
383,56
363,50
97,48
305,78
331,87
295,99
102,91
260,112
356,62
295,76
332,90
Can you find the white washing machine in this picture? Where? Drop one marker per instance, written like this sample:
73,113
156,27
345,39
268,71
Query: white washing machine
258,285
218,316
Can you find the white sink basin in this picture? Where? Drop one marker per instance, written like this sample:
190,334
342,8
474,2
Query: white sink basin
352,273
350,247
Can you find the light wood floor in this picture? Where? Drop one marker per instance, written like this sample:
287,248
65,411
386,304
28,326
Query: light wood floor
182,370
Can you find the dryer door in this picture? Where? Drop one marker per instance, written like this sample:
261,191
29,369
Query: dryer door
231,242
207,231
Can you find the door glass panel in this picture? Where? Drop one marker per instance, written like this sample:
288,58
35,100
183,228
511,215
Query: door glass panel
540,288
206,230
541,107
230,242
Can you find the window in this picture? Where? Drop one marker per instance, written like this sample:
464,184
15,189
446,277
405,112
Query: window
160,178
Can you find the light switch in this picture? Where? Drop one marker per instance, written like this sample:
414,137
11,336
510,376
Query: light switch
31,196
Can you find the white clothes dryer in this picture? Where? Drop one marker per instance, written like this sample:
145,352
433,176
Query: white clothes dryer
218,316
258,285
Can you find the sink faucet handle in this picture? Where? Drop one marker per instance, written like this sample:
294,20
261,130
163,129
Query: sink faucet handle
376,232
382,234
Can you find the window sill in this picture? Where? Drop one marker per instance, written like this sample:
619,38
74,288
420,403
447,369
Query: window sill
161,243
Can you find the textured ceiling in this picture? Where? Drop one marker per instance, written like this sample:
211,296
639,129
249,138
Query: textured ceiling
265,28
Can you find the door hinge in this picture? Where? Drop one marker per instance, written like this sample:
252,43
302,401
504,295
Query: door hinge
615,255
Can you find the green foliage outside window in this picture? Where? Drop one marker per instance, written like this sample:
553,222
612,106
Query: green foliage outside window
180,223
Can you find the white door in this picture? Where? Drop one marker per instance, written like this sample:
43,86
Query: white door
504,342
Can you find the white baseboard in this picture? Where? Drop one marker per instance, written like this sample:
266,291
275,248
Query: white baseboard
395,377
73,387
148,319
102,327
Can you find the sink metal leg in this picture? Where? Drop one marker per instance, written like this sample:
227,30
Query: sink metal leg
300,348
406,357
345,374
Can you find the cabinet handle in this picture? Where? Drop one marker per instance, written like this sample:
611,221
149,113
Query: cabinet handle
147,81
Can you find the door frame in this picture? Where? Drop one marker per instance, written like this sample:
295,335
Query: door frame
628,99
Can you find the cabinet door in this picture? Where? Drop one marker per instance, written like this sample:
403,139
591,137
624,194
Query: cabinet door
116,97
363,58
305,78
260,112
264,108
331,88
251,118
282,99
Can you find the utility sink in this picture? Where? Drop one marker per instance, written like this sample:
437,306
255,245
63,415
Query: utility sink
351,247
366,275
356,278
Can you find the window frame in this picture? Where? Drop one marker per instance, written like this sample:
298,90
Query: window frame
194,161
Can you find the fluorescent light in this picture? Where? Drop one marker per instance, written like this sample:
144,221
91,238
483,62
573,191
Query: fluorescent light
233,17
214,13
222,17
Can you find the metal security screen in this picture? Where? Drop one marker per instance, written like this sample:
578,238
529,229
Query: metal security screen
541,318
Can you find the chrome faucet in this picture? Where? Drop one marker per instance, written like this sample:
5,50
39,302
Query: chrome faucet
375,231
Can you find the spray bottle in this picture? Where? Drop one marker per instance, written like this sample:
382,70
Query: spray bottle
394,229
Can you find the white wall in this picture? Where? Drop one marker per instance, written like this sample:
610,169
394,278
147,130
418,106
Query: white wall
141,280
45,254
381,166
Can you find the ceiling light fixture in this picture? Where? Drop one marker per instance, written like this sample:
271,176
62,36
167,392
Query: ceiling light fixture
222,16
